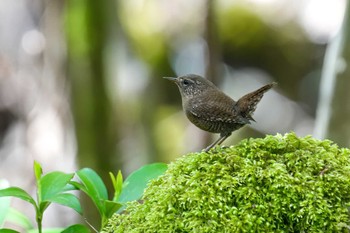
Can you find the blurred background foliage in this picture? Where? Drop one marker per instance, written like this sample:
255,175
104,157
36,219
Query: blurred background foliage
81,80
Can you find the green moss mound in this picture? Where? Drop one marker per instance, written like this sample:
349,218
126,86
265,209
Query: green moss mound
275,184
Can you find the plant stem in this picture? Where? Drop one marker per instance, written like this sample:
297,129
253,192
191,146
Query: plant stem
39,220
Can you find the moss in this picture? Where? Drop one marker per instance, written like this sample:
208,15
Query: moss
274,184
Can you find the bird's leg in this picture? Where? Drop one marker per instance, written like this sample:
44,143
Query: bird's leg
223,138
217,142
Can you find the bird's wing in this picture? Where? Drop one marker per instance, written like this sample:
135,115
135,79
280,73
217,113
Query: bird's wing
214,108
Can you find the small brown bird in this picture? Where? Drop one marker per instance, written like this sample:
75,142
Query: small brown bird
212,110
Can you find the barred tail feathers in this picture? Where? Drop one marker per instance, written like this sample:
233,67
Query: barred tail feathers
247,104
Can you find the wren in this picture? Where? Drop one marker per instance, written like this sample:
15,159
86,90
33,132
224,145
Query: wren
212,110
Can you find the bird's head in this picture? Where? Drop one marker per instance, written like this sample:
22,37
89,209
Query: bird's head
191,85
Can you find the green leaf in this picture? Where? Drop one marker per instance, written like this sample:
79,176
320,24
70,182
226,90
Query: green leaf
21,220
69,200
93,187
69,187
78,186
112,178
76,228
17,192
136,183
4,230
111,207
38,171
53,183
117,184
43,205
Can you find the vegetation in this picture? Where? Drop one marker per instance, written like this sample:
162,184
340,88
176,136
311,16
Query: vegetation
54,187
274,184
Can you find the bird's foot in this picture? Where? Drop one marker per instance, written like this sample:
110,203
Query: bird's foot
207,149
214,148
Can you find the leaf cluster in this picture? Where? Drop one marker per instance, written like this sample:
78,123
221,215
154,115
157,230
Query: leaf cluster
55,187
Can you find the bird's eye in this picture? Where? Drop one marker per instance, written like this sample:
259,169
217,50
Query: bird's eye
185,82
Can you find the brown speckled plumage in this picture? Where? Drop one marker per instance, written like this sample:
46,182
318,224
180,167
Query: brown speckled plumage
212,110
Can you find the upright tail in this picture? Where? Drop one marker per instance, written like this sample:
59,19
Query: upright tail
247,104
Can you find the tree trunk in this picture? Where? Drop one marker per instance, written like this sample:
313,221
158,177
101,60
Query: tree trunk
94,112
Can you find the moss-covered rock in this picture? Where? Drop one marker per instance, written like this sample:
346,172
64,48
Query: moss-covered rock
275,184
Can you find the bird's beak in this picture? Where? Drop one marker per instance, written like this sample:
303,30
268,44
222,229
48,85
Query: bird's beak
171,79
